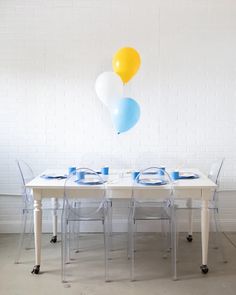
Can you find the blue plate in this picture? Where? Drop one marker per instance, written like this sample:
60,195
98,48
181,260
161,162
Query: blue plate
188,175
152,182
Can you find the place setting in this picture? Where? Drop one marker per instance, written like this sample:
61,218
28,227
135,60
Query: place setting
92,177
151,176
181,175
155,177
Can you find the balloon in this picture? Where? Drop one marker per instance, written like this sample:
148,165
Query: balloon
126,63
109,88
125,114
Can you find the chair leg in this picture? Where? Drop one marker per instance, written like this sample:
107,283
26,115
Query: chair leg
213,229
163,229
135,235
30,237
64,250
131,228
166,238
54,220
22,237
110,229
132,252
129,236
69,239
76,236
173,244
219,234
76,231
107,237
190,221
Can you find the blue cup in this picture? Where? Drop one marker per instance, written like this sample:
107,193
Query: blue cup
175,175
134,175
80,175
105,170
72,170
162,170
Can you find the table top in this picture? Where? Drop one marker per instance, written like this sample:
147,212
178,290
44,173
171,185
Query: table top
119,180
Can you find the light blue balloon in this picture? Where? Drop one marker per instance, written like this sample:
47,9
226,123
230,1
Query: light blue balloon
125,114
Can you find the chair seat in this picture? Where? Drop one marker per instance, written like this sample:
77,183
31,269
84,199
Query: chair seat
86,214
150,213
196,204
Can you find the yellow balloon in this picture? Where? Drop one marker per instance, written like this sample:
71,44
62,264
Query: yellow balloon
126,63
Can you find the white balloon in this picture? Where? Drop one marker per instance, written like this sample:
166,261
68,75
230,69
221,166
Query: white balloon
109,88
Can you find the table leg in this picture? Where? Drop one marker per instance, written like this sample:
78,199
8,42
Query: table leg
205,235
37,230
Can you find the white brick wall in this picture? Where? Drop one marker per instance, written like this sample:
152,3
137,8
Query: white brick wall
51,52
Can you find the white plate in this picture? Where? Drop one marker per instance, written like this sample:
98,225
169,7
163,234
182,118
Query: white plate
53,175
151,181
186,175
90,181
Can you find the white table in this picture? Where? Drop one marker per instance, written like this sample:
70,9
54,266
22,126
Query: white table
201,189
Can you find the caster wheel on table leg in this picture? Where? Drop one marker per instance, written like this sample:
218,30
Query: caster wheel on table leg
53,240
189,238
204,269
36,269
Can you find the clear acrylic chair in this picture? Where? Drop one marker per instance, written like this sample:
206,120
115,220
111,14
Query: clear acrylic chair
84,205
26,174
156,203
214,175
